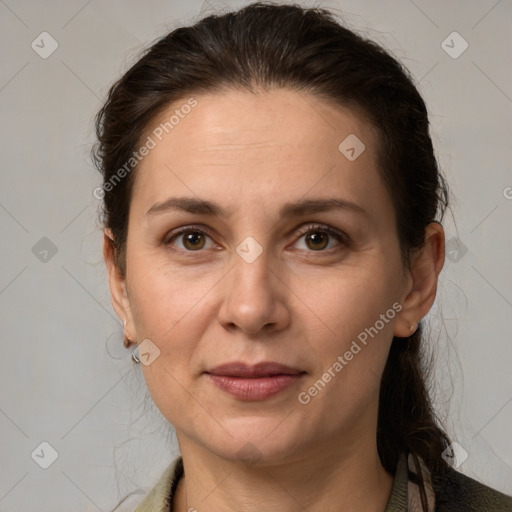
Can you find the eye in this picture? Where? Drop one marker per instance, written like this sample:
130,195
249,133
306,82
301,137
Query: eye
193,239
317,237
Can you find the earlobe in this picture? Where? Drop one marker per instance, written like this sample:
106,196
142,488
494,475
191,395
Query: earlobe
117,285
420,292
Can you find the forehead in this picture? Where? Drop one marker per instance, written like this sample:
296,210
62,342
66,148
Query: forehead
269,146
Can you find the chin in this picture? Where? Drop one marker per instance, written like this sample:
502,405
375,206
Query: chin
255,440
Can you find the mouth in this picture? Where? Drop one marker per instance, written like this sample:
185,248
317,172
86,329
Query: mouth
264,369
254,382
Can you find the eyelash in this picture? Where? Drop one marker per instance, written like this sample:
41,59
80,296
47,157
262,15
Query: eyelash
312,228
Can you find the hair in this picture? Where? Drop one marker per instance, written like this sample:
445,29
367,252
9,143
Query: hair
264,46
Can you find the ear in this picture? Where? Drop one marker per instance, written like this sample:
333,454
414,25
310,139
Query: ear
421,284
117,283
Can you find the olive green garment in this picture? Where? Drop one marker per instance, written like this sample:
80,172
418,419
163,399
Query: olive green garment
455,492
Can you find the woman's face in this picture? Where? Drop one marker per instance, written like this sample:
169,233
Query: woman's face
266,279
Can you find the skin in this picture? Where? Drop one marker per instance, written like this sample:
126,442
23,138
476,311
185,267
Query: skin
298,303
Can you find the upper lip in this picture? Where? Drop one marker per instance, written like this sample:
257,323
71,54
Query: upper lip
264,369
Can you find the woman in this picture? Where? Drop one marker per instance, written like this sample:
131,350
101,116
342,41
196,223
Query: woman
272,236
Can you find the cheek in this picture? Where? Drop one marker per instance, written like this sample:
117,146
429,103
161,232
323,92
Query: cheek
171,314
171,308
164,296
354,318
348,301
349,360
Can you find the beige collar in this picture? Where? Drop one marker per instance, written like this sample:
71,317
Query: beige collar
404,496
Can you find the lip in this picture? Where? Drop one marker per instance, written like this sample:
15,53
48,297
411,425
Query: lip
254,382
263,369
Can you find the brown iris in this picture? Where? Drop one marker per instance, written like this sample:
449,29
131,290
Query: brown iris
319,240
195,239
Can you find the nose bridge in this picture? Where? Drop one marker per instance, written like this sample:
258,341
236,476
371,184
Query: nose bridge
251,273
252,298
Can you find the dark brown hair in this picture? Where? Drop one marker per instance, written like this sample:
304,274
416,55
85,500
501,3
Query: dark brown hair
264,46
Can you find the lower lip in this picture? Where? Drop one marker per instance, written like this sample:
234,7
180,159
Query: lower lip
257,388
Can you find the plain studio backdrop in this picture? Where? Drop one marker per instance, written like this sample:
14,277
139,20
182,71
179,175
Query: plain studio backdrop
66,380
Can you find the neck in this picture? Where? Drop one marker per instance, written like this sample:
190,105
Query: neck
322,479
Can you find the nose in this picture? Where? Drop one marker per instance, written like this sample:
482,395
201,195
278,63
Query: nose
254,298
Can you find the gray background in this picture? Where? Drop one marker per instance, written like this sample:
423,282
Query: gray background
65,378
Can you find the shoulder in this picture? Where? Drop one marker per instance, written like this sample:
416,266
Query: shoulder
455,492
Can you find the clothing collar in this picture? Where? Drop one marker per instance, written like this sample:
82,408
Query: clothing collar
159,498
398,499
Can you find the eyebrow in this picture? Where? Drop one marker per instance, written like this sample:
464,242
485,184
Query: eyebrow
294,209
